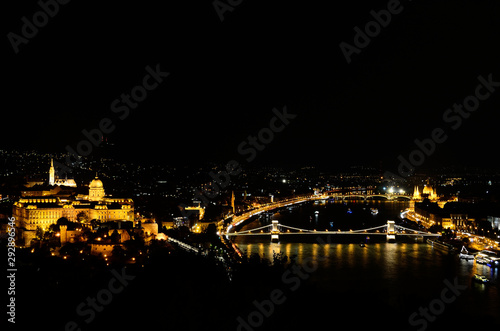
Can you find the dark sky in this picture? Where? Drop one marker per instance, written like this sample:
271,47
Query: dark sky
226,77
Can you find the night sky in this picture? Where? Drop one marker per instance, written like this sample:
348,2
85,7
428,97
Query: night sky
225,77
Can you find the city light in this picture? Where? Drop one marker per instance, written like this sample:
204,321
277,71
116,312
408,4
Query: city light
274,122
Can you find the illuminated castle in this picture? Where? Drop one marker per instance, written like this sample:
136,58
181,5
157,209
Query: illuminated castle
42,211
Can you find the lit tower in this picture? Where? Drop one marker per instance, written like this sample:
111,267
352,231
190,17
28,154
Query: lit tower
52,173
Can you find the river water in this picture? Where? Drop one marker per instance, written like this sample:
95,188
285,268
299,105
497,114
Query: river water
394,280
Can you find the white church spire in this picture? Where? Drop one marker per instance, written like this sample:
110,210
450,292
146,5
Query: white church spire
52,173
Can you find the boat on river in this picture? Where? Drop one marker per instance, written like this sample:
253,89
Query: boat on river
480,279
465,255
441,245
490,258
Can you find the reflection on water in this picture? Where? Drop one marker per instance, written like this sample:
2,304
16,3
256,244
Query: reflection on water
395,269
392,272
388,255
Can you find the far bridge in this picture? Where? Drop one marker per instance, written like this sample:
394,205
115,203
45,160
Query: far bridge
388,196
275,230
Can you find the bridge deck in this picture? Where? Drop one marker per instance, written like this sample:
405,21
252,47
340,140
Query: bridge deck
333,232
400,231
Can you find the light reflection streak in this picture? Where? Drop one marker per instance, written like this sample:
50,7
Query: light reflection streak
326,253
288,249
300,253
315,252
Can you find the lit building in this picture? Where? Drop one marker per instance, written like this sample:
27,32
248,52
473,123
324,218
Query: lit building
96,190
427,192
106,249
59,181
453,216
426,207
430,192
32,212
49,185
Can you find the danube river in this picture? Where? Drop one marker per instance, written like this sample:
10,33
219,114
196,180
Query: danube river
402,282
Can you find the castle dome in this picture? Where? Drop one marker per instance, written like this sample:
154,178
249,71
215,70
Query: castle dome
96,183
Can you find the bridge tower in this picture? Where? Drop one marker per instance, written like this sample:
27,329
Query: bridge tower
391,233
275,231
